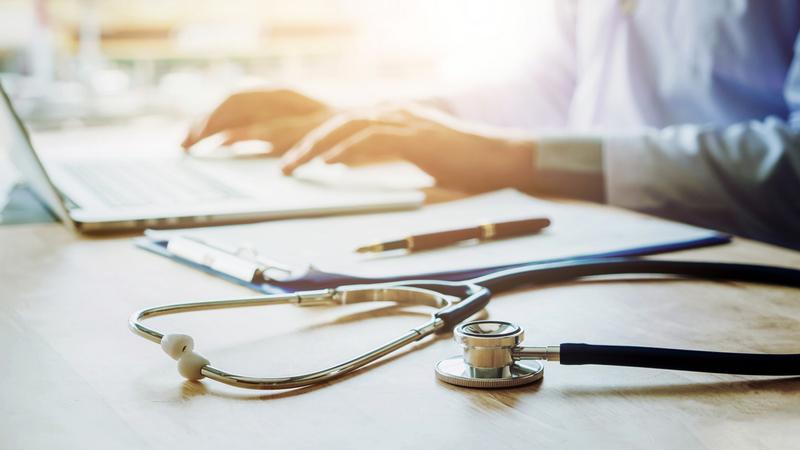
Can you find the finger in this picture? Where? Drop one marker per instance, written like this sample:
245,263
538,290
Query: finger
247,133
285,132
282,132
238,110
325,137
320,140
191,137
227,114
370,145
202,130
251,107
252,140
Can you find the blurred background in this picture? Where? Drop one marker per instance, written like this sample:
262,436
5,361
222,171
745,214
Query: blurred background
82,62
125,77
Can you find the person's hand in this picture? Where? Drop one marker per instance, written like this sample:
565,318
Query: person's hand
281,117
457,158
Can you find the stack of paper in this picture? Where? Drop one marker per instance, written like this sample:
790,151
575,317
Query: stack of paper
577,230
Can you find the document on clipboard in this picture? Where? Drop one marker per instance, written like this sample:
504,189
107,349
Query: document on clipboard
257,253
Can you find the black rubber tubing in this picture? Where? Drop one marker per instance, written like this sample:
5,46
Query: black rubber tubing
458,312
651,357
574,270
473,299
674,359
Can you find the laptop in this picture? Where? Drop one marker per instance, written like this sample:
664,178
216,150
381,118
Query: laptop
96,194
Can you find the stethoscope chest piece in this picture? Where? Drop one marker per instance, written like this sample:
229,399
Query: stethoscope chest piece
488,359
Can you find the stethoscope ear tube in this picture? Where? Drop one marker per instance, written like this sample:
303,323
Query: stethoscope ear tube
675,359
458,312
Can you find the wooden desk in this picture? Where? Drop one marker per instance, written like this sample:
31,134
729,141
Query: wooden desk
73,376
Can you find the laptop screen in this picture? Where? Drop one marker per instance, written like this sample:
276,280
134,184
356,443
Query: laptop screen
14,138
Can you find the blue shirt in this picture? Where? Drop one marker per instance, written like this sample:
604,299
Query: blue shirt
695,105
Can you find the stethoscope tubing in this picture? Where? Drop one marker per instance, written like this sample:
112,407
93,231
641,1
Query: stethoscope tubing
474,294
559,272
654,357
678,359
472,298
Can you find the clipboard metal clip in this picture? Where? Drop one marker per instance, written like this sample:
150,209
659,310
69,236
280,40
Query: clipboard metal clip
243,263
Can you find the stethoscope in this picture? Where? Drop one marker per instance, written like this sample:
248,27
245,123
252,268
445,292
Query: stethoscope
491,352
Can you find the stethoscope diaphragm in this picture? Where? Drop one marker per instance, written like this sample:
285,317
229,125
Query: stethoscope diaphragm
487,359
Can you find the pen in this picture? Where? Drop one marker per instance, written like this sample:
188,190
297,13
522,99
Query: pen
443,238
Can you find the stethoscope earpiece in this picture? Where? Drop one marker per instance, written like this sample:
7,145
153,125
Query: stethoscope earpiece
180,347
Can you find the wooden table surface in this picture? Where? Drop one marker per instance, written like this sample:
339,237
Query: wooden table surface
73,376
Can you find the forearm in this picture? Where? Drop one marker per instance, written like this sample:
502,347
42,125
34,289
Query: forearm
744,178
475,158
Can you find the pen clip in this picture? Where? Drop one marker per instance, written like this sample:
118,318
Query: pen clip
242,263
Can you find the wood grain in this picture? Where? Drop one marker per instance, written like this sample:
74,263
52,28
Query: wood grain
75,377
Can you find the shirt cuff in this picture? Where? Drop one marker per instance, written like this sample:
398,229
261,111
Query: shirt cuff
570,166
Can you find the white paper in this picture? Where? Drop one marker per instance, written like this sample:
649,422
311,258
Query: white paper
577,229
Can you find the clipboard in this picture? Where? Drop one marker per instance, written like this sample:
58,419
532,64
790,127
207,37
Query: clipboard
275,264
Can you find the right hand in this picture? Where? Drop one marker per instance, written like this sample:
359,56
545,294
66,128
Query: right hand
281,117
458,155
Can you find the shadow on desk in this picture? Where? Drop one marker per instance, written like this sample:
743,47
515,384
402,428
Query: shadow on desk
22,207
191,389
788,385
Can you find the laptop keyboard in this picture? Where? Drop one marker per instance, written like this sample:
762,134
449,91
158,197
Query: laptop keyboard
142,182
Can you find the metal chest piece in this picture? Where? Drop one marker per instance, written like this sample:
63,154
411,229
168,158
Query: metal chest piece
488,357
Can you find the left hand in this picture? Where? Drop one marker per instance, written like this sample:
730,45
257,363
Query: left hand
278,116
457,158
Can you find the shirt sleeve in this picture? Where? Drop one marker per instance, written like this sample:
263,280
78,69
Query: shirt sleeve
570,165
743,178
